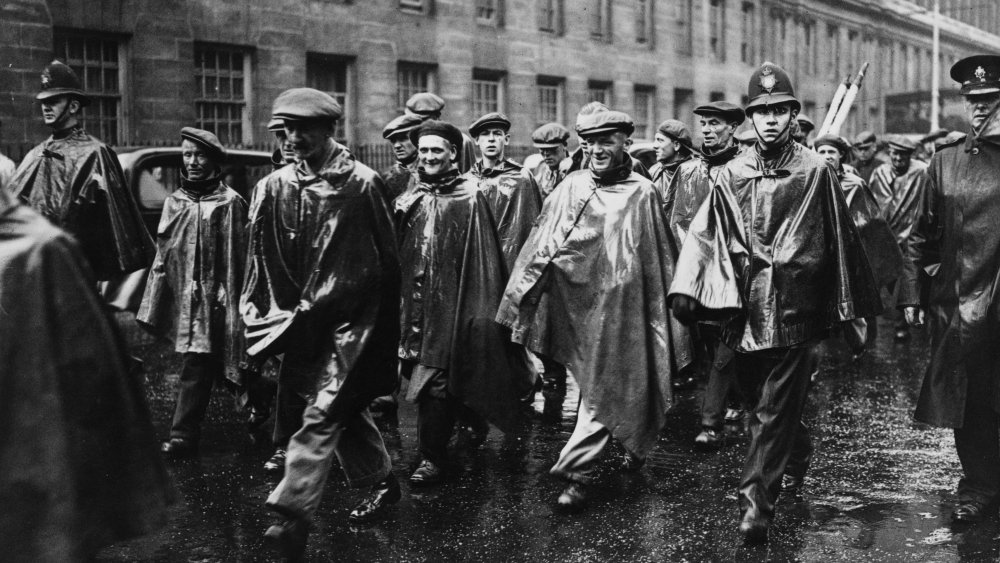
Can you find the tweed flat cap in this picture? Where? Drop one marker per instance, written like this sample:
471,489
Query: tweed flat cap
677,131
402,124
276,124
425,103
442,129
726,110
903,144
864,137
604,122
488,121
206,140
299,104
550,136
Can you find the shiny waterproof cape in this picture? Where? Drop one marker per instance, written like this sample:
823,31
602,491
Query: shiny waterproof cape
900,197
323,275
192,295
880,243
864,170
77,183
589,289
81,466
514,201
953,272
453,276
662,175
689,188
546,178
398,178
775,244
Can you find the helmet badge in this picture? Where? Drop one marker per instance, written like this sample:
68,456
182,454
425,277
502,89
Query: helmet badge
980,74
767,80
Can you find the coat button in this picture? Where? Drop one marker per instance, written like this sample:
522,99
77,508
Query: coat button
975,150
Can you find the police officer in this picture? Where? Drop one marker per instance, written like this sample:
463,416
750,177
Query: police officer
958,237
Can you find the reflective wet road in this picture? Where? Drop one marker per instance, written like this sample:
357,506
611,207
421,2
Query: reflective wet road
880,488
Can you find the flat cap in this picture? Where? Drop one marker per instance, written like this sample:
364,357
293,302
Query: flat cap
59,80
276,124
747,136
402,124
549,136
206,140
934,135
864,137
900,143
604,122
488,121
442,129
425,104
805,123
299,104
978,74
732,113
677,131
835,141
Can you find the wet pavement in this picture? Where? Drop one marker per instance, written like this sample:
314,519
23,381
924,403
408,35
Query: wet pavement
880,487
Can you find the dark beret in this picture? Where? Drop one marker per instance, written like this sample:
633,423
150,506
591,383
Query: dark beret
728,111
206,140
425,103
835,141
549,136
492,119
442,129
604,122
677,131
306,103
903,144
864,137
402,124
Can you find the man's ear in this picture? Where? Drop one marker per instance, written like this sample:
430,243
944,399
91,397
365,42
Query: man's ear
74,106
795,113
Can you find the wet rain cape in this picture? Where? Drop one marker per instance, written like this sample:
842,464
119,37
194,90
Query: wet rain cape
589,290
514,201
453,276
662,174
80,466
192,295
546,178
900,196
323,274
954,273
879,241
690,187
802,266
399,177
77,183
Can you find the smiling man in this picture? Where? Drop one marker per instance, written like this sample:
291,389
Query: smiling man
775,255
957,241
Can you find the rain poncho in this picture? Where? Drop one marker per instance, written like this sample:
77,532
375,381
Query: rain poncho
514,201
690,187
879,241
399,177
900,196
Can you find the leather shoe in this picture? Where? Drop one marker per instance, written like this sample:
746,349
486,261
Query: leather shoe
969,511
276,465
177,448
427,474
288,539
734,416
709,438
385,493
754,527
573,497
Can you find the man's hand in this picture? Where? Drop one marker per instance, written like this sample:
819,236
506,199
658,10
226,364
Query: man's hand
914,316
684,308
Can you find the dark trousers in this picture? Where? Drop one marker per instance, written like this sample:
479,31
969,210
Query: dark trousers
296,382
198,374
719,387
978,440
437,414
777,382
350,436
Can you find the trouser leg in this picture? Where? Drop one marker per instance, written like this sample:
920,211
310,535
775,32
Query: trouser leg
295,383
554,376
467,417
435,422
194,391
578,459
718,388
778,382
801,454
978,441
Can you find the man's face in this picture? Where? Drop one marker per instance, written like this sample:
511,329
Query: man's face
979,106
402,147
287,152
831,154
715,131
666,148
552,156
771,123
197,163
900,159
865,151
58,109
607,150
492,142
435,154
308,138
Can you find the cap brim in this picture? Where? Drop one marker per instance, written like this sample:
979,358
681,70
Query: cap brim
772,100
547,145
603,131
976,90
55,92
735,116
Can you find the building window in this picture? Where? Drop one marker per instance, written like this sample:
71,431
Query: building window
550,99
644,21
684,103
550,16
222,84
833,50
489,12
598,91
644,111
412,78
334,75
96,61
487,91
415,6
685,27
600,20
809,43
748,33
717,30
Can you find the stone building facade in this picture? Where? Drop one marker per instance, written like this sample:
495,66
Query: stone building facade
157,65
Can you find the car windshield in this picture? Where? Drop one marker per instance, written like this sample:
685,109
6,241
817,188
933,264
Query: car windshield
159,176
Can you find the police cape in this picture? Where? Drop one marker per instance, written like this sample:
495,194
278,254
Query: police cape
192,295
589,290
80,466
775,248
322,276
77,183
514,201
954,273
454,274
